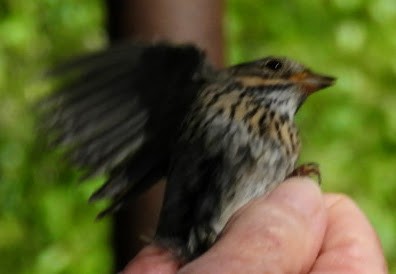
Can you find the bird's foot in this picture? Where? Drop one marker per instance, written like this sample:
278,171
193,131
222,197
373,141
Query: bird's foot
307,169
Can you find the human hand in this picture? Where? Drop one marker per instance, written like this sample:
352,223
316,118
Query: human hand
295,229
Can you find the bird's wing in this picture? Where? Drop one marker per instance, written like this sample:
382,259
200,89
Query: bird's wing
120,111
196,186
191,200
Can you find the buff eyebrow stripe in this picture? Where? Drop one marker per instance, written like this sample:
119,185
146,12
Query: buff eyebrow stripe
268,88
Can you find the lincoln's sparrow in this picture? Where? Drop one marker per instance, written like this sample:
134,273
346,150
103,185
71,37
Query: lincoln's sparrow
221,137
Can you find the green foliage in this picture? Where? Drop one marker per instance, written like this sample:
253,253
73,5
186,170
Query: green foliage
46,225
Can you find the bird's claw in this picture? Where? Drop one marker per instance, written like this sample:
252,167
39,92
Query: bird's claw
307,169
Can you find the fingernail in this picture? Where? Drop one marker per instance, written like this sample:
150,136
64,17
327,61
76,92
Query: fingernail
301,194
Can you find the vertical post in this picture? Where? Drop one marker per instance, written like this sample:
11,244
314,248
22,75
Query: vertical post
178,21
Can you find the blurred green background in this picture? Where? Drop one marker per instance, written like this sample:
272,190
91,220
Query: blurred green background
46,225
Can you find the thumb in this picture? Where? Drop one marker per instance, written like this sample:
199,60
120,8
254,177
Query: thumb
278,233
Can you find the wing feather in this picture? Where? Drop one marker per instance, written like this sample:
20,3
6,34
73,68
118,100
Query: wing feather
119,110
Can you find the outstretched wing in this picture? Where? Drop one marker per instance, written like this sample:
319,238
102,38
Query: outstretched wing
119,113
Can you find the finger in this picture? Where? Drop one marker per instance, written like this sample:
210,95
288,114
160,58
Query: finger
280,233
351,244
152,259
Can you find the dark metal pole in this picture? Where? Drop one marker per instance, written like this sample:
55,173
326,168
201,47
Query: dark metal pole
179,21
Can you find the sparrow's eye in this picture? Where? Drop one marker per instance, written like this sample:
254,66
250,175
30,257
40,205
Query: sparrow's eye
273,64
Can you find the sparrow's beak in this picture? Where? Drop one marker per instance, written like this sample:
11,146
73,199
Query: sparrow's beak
312,82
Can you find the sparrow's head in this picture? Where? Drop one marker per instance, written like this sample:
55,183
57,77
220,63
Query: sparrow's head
285,82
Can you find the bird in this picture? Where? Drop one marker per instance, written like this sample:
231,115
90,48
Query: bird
139,112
